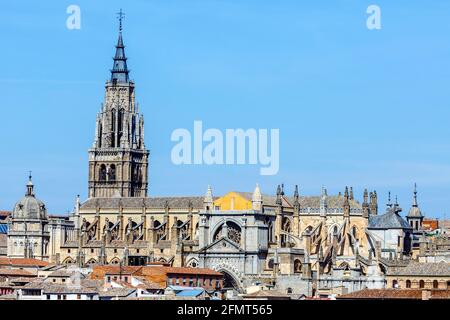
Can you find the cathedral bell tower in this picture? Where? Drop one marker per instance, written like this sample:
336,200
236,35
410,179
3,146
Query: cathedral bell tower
118,159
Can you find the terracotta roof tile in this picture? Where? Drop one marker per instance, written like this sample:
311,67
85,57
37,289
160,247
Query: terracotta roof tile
383,294
22,262
15,273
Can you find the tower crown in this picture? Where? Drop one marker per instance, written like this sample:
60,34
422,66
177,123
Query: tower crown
118,159
119,72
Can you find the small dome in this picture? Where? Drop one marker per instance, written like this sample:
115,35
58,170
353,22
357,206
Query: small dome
29,207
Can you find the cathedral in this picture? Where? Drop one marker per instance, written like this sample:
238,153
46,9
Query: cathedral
251,237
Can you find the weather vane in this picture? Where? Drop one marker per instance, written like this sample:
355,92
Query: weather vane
120,16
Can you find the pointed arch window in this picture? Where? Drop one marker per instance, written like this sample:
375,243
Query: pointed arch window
102,173
113,120
121,115
112,173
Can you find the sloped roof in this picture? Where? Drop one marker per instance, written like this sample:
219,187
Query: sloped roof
384,294
390,220
422,269
15,273
22,262
49,287
305,201
197,202
151,203
117,292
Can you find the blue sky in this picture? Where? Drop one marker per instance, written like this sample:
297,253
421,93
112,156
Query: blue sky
354,107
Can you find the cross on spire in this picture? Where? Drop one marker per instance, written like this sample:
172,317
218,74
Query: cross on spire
120,16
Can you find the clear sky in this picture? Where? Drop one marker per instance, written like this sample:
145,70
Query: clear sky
354,107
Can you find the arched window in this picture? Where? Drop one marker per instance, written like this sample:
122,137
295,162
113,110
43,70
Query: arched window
286,227
395,284
112,173
270,264
408,284
270,230
113,120
421,284
121,113
355,232
297,266
102,173
435,284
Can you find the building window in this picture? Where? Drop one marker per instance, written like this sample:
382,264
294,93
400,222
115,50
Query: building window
63,280
435,284
92,250
64,297
48,297
115,250
395,284
108,279
78,296
126,279
68,250
102,173
421,284
408,284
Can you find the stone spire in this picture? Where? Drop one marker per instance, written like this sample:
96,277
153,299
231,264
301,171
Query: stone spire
373,203
257,199
351,197
365,205
208,201
296,197
279,200
119,72
346,205
324,202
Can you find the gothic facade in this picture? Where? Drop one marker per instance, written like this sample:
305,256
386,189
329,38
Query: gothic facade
298,243
118,159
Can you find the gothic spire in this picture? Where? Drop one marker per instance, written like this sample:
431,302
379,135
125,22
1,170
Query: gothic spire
119,72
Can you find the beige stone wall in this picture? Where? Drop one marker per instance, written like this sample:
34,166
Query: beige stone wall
429,282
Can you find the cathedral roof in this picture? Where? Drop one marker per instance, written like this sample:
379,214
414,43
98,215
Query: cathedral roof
389,220
305,201
154,202
29,207
197,202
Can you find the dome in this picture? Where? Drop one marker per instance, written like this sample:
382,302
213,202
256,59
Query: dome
29,207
